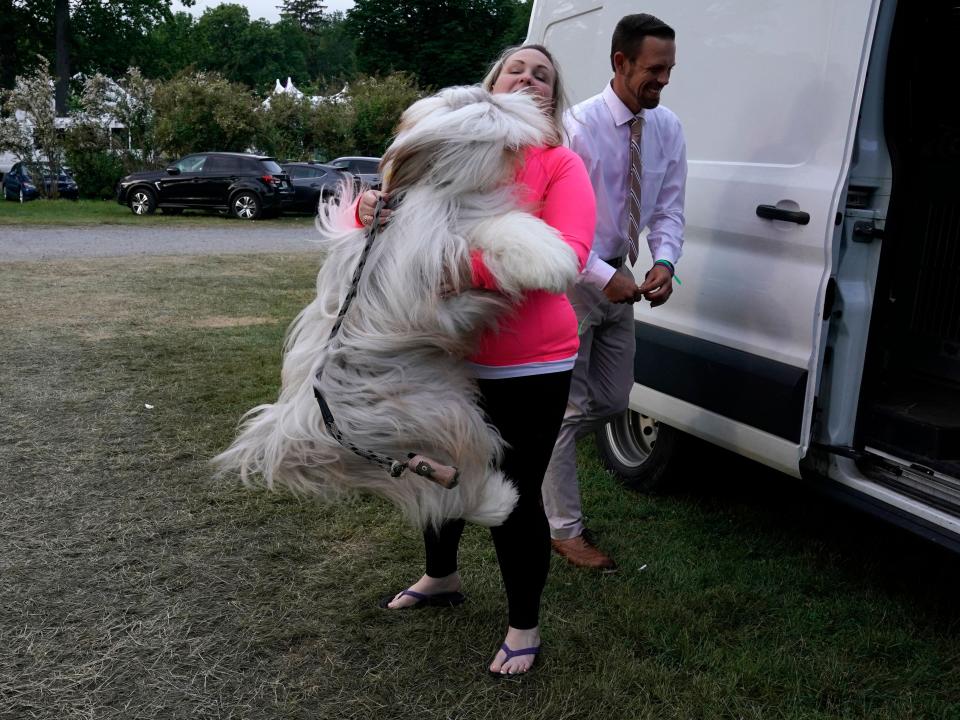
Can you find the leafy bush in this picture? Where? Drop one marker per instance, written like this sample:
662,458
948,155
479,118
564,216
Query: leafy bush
377,104
329,129
38,140
202,111
281,127
358,122
96,172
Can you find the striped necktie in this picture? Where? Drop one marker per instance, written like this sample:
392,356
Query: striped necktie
634,192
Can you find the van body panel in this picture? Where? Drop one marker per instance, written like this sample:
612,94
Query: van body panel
743,387
748,441
768,95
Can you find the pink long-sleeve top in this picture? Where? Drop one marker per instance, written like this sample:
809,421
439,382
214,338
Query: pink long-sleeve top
540,334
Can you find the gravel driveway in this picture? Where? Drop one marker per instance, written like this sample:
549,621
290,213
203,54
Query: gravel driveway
40,242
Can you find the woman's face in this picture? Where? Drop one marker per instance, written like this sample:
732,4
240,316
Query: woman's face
526,69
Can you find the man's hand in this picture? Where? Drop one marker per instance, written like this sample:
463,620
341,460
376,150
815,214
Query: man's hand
622,289
657,285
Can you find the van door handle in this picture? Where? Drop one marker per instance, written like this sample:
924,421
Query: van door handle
771,212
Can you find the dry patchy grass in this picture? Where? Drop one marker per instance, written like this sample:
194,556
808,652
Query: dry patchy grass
132,585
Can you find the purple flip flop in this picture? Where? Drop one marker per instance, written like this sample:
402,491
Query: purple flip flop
510,654
443,600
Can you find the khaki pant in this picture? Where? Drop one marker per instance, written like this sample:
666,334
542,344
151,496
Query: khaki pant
599,390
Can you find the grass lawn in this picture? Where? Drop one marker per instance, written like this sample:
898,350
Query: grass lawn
109,212
132,585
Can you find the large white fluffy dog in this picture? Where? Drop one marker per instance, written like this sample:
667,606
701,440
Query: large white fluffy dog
394,376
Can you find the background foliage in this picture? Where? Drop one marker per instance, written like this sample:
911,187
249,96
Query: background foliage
437,43
180,84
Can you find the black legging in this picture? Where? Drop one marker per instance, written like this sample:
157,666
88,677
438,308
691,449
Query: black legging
527,411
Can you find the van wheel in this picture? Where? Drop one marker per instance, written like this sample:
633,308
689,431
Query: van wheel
245,205
143,202
639,450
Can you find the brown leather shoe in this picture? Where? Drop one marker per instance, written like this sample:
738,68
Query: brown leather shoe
581,552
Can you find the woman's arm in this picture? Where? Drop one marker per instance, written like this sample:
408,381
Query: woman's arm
569,204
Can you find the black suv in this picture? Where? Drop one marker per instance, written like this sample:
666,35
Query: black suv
247,186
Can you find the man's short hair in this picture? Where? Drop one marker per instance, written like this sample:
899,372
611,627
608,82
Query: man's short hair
632,29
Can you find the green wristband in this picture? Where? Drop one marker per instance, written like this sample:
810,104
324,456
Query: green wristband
669,266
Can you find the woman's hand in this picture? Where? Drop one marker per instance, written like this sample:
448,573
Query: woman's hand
368,203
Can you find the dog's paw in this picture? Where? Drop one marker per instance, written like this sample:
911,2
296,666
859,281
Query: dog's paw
524,253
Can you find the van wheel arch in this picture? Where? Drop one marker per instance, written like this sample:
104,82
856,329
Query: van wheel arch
640,451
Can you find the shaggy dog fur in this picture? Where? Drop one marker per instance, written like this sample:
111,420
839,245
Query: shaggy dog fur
395,377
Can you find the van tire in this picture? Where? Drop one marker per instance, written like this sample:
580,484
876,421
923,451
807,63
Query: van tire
640,451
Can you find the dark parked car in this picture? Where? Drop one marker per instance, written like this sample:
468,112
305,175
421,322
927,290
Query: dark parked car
367,169
20,183
312,183
246,186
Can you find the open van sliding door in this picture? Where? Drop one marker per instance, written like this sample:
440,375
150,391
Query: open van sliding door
768,94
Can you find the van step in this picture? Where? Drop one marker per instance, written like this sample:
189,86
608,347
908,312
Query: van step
911,479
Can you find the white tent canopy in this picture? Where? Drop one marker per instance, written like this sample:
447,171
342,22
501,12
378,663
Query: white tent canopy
314,100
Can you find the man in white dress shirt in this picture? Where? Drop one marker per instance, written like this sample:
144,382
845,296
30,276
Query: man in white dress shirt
602,130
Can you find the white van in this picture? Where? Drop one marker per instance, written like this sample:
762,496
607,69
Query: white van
817,329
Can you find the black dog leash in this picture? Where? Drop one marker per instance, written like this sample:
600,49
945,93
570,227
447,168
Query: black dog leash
446,475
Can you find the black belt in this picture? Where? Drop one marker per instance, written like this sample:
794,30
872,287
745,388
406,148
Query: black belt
615,262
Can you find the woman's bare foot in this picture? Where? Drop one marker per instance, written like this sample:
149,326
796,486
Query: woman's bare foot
516,640
428,586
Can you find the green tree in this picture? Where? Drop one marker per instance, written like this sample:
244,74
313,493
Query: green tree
109,37
219,36
62,56
306,14
104,36
203,111
170,47
253,53
442,43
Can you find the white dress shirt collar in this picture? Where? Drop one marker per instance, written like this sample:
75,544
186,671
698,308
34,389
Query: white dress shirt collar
621,113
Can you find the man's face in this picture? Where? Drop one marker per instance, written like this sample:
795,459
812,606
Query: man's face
638,82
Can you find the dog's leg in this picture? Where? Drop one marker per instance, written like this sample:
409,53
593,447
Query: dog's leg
524,253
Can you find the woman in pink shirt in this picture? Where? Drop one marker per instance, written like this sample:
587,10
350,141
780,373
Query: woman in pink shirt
523,371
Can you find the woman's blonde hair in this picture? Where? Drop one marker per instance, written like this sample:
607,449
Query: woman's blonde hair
558,105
